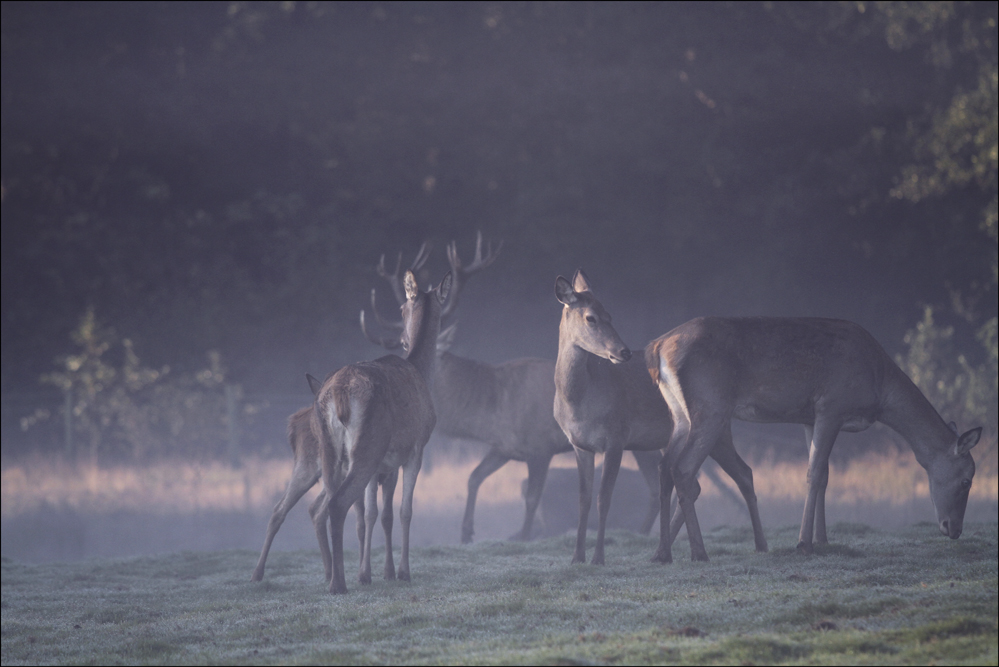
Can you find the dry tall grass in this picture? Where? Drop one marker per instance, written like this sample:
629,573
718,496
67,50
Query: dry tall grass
177,487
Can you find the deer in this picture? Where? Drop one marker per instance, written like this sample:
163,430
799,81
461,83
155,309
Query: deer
605,403
828,375
305,473
507,406
371,418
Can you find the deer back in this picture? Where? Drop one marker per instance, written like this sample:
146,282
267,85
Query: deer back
772,369
508,404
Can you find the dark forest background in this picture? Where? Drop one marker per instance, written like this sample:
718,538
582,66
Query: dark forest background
196,195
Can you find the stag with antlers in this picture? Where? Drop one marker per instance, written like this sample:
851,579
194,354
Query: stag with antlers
371,418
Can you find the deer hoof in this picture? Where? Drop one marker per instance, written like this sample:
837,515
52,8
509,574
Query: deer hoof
805,548
660,557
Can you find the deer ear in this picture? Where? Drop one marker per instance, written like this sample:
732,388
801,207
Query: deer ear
314,384
564,292
967,440
412,288
444,288
580,283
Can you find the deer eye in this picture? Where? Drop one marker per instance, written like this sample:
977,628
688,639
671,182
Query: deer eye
965,483
591,319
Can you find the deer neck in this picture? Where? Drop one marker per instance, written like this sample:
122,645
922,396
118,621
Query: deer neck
907,411
423,351
577,371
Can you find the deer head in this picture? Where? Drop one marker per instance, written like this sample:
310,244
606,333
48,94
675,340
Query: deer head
585,323
460,274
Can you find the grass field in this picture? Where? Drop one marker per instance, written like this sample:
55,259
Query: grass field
905,596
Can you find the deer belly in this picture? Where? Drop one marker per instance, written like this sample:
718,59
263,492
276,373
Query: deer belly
764,414
856,424
594,437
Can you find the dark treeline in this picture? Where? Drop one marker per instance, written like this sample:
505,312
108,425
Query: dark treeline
223,177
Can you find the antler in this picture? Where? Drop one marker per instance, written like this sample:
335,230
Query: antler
397,324
395,281
462,273
459,272
389,343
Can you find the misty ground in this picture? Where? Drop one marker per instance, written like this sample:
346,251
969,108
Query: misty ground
71,530
52,534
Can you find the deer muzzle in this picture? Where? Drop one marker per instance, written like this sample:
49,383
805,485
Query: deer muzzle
622,355
951,529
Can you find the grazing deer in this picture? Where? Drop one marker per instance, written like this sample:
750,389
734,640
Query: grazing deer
372,418
507,406
606,405
829,375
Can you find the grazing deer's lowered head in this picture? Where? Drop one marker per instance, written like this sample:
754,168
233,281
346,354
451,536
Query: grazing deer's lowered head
950,472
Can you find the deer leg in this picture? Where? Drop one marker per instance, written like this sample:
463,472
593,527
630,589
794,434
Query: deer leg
820,501
319,512
388,496
648,465
359,508
348,492
688,462
338,515
820,513
409,474
735,467
670,513
367,515
664,553
584,464
823,436
537,473
612,465
490,464
303,477
676,520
